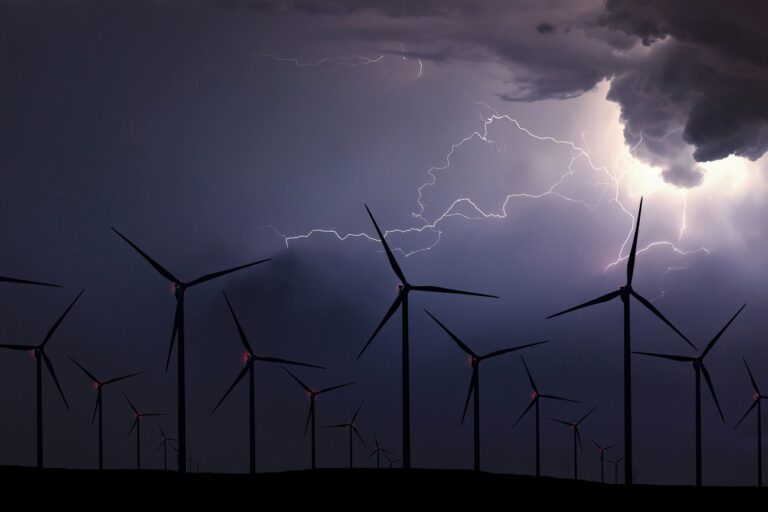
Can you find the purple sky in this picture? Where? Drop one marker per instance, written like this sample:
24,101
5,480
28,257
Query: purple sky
506,144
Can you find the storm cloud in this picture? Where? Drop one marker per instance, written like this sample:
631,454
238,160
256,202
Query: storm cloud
689,76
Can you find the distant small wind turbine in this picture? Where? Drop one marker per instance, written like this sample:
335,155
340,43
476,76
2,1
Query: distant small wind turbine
536,397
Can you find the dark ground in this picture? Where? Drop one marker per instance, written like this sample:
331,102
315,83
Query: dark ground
337,488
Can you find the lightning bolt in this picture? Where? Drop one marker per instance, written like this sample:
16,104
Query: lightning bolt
609,180
351,61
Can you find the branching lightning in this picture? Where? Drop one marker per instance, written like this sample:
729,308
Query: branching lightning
352,61
609,180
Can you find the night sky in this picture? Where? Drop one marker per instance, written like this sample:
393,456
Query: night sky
507,144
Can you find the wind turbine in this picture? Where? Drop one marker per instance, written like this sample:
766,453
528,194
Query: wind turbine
615,468
352,428
536,396
138,416
179,289
574,426
602,450
756,397
38,351
624,293
392,461
401,301
378,452
699,369
474,383
312,394
164,440
98,408
249,359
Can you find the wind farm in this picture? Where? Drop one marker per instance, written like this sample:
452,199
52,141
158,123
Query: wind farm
351,253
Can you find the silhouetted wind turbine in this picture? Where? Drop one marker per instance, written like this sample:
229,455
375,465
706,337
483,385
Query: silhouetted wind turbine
535,397
312,394
180,287
699,369
378,452
249,358
615,468
401,301
41,357
624,293
602,450
164,445
392,461
138,416
352,428
474,383
98,408
574,426
757,396
4,279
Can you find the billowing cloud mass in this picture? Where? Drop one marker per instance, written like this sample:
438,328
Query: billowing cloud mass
690,76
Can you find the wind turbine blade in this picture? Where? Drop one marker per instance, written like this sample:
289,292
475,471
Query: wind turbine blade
214,275
162,270
133,427
354,429
4,279
89,374
18,347
597,445
511,349
309,417
334,388
285,361
232,386
566,423
555,397
376,440
49,364
530,377
586,415
712,390
684,359
133,407
354,417
525,412
440,289
610,446
306,388
578,437
633,251
160,445
390,312
719,334
754,404
162,432
455,338
754,384
472,384
174,332
96,407
118,379
372,453
241,332
599,300
645,302
391,257
345,425
58,322
147,414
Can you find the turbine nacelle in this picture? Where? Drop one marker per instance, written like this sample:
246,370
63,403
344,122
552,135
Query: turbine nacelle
625,292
